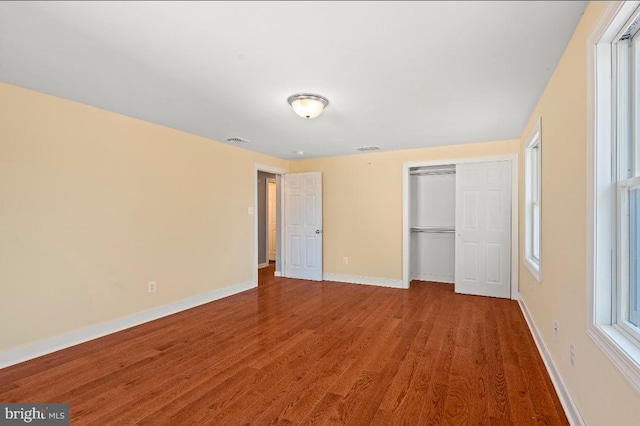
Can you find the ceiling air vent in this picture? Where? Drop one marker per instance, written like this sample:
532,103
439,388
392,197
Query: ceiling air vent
236,140
368,148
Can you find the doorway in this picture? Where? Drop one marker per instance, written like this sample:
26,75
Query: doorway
298,198
264,174
263,180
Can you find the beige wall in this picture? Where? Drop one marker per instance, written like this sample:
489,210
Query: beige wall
362,204
93,205
603,397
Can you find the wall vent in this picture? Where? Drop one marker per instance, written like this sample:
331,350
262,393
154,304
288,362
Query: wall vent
236,139
367,148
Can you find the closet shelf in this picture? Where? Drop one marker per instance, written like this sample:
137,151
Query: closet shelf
433,229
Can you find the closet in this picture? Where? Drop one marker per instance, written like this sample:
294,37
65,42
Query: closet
460,225
432,218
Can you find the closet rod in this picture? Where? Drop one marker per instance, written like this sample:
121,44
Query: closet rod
432,172
433,230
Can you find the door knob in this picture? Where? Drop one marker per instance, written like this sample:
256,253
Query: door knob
318,231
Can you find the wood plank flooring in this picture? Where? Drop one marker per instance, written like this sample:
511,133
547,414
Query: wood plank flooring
302,352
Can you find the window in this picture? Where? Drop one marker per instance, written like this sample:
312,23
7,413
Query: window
627,175
614,190
532,172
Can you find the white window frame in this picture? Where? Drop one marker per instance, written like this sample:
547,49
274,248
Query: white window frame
606,194
532,194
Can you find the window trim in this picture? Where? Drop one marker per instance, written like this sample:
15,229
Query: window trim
534,140
602,195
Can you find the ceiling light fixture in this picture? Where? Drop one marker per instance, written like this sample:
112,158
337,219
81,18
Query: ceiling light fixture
307,105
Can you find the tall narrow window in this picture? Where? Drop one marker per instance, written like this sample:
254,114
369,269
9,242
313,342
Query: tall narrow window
533,185
627,77
634,257
614,272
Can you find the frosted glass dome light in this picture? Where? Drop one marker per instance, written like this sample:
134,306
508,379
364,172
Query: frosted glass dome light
307,105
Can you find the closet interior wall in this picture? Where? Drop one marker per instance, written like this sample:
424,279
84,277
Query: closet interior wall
432,218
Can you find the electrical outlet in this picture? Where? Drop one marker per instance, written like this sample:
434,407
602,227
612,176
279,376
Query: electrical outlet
250,210
572,354
556,330
345,260
151,287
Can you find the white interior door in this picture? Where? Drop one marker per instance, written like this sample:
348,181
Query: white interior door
483,229
303,225
271,220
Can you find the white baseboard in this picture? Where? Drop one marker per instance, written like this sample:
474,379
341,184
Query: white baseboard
448,279
43,347
356,279
570,409
277,274
263,265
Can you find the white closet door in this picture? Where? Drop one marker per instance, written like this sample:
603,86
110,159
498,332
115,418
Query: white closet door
483,229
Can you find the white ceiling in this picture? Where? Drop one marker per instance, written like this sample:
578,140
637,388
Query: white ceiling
397,74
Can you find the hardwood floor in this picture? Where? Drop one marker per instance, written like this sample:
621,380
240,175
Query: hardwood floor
302,352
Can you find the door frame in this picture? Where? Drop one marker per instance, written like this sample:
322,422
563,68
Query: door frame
267,199
279,220
406,212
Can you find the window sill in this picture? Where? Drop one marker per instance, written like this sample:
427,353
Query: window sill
533,267
619,349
